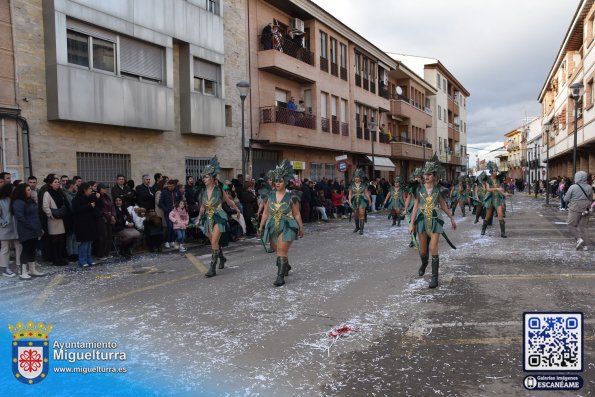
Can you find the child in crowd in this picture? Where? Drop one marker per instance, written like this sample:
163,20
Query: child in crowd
179,217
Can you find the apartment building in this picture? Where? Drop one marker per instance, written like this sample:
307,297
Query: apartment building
351,108
516,147
574,65
128,86
448,132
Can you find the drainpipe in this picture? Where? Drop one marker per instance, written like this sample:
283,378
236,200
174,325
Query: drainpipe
3,145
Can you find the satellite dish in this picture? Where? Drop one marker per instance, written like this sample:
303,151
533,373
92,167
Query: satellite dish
399,90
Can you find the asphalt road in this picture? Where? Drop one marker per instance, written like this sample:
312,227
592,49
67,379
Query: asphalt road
236,334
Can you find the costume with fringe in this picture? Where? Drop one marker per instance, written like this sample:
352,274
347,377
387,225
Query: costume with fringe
281,221
214,213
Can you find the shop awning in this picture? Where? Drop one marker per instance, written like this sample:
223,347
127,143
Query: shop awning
382,163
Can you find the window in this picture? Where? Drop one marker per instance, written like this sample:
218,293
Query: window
316,171
445,116
101,56
228,118
343,49
195,166
323,50
329,171
141,60
357,63
444,85
323,104
343,110
93,47
438,80
78,48
439,112
206,77
333,50
212,6
440,143
102,167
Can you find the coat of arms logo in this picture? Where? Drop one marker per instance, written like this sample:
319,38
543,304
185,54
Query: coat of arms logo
30,351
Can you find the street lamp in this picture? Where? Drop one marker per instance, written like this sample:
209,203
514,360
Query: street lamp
576,92
547,128
243,89
372,129
468,173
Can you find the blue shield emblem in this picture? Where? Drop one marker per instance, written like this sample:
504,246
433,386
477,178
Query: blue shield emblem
30,360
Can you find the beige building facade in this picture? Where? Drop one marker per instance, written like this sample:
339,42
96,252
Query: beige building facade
351,109
574,64
129,87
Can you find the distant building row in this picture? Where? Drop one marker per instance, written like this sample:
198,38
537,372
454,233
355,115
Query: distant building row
138,87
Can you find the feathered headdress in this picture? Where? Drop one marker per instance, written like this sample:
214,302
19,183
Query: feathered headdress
359,173
398,179
214,168
269,175
492,167
433,166
282,171
482,177
417,172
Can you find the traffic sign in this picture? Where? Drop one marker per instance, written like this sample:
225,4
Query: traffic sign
342,166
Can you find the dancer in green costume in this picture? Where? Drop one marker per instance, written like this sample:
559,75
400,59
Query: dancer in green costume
396,200
281,220
426,218
212,215
359,199
495,198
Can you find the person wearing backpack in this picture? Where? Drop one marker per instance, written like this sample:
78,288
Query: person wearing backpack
578,199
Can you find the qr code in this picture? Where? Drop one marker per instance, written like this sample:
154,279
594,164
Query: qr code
553,342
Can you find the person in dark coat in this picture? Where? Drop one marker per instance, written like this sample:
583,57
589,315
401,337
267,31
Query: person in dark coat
250,206
153,231
85,221
306,200
145,194
29,229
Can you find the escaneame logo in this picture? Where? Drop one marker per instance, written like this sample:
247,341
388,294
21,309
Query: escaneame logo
30,351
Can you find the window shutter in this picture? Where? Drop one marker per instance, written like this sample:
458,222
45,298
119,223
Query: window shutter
206,70
91,30
140,58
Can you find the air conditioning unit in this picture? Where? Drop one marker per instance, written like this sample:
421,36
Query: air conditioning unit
297,25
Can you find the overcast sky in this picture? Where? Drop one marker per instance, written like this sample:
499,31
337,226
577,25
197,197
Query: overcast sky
500,50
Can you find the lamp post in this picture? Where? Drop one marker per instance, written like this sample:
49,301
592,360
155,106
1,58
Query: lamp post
576,92
468,173
547,128
243,89
372,128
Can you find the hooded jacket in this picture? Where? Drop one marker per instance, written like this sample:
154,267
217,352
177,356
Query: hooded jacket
575,197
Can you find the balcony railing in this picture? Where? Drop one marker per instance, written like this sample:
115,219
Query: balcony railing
335,127
373,86
344,129
358,80
275,42
334,69
325,124
276,114
366,85
359,133
366,134
383,138
344,73
324,64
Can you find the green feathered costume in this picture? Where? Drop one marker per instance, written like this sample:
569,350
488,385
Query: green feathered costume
358,197
214,213
281,221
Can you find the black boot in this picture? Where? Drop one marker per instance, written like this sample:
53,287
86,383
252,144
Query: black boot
502,229
287,269
222,259
361,227
395,220
214,256
477,215
282,265
464,211
356,225
399,220
424,264
484,227
454,207
474,209
435,265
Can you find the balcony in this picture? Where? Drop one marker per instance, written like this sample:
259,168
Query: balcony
335,127
366,84
383,138
344,73
404,149
334,69
278,56
401,107
453,133
276,114
281,126
324,64
455,160
453,106
383,90
358,80
325,124
359,133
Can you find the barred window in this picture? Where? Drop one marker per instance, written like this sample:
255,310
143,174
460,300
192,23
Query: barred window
102,167
316,171
196,165
329,171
